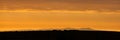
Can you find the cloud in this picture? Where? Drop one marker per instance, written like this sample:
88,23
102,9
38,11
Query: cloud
66,11
61,4
58,15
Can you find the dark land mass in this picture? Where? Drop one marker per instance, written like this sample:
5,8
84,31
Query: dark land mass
60,35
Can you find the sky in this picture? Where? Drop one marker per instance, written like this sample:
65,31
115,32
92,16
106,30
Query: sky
61,4
59,14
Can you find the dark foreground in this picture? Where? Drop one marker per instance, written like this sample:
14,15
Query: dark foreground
60,35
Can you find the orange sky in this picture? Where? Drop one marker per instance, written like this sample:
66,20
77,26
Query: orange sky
60,4
59,14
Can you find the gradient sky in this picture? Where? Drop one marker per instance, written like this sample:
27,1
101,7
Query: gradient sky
61,4
59,14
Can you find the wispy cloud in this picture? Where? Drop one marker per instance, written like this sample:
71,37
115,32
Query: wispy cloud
66,11
61,4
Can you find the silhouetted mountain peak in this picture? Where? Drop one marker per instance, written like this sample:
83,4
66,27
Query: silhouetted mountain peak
86,29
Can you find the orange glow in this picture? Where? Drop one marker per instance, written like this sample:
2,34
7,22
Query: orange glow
57,19
59,14
66,11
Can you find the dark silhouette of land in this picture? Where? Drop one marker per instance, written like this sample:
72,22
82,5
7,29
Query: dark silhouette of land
60,35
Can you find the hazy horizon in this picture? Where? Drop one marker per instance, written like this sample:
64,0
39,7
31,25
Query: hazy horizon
59,14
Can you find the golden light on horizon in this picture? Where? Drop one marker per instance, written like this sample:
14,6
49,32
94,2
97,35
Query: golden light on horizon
59,14
55,19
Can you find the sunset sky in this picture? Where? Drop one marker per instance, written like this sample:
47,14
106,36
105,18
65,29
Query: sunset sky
59,14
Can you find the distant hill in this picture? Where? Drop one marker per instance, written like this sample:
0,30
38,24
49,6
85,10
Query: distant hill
59,35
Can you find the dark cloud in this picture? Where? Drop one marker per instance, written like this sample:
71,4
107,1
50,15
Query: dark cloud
61,4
